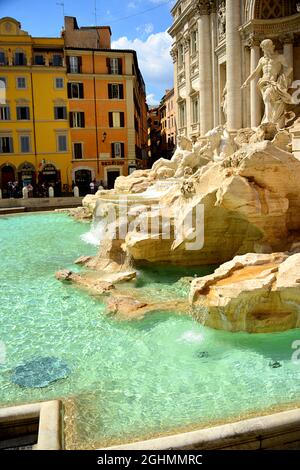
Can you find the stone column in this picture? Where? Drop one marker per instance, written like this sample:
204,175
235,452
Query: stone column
288,51
174,52
234,65
205,67
255,99
187,65
214,42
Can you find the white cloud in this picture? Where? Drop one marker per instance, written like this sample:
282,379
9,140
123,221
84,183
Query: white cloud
149,28
151,100
145,29
154,58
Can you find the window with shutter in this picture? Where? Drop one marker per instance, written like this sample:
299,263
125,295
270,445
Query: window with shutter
77,119
60,112
122,120
74,64
23,113
74,90
118,149
114,66
116,120
6,145
115,91
77,150
4,113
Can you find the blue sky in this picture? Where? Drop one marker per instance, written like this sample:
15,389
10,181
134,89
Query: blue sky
135,24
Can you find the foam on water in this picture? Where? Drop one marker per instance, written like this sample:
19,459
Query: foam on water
95,234
191,337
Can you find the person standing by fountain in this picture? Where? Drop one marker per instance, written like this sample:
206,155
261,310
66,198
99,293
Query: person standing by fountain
92,187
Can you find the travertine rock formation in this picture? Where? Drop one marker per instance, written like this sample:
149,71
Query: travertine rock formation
251,204
257,293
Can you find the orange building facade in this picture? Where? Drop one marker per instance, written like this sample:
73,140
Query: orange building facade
107,107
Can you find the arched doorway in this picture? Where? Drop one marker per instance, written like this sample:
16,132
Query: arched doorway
49,176
7,175
83,177
26,174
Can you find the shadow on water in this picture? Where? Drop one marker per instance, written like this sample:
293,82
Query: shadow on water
162,274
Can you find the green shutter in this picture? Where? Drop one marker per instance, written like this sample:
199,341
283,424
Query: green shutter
79,64
81,95
120,66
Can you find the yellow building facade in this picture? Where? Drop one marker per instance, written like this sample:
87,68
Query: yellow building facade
35,144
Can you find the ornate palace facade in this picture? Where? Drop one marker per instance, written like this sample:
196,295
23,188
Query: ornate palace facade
216,47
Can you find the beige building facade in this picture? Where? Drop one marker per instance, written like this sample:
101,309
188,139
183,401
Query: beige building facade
216,47
168,118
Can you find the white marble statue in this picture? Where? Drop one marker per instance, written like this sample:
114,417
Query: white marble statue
216,145
183,151
274,83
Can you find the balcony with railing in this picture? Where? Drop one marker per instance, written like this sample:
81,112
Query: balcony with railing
20,59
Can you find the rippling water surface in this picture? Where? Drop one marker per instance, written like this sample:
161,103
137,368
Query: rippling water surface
128,379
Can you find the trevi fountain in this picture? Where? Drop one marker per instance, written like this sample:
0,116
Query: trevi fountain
178,307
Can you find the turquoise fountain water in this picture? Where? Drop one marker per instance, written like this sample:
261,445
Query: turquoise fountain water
128,379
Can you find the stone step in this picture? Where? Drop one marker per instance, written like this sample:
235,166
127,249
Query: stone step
12,210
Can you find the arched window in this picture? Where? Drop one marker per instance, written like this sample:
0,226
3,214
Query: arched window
273,9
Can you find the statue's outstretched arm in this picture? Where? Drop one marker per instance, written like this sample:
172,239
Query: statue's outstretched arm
253,75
